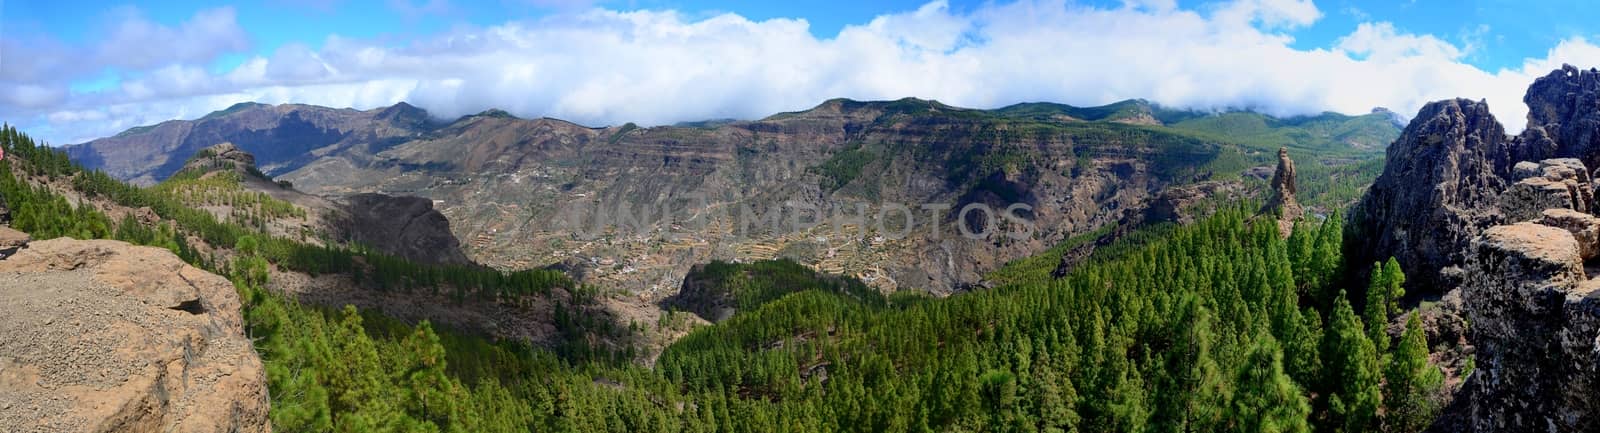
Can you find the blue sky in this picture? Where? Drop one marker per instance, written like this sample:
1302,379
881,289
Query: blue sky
75,70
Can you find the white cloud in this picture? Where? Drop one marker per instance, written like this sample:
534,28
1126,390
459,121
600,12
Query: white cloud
602,67
1381,41
135,42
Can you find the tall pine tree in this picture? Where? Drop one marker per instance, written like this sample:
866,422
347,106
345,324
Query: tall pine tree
1410,383
1350,372
1266,400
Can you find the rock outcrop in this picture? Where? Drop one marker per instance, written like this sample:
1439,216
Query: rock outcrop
404,226
1281,201
1184,204
222,156
1563,117
1435,194
1511,223
11,241
107,336
1550,184
1535,321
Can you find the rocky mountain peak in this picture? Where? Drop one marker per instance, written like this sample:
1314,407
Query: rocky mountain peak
402,112
1428,204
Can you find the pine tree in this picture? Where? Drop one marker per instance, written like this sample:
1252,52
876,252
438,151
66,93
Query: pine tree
1301,350
1383,300
1350,371
1055,403
1328,260
430,394
1196,388
1410,382
1266,400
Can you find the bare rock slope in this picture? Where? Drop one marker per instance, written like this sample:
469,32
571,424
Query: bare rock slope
106,336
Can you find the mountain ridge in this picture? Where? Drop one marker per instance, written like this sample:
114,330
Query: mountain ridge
522,193
1126,110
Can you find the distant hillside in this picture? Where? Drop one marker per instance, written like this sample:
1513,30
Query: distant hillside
281,136
525,193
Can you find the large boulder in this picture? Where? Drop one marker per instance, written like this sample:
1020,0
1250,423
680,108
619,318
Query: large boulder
1585,229
107,336
1429,202
1536,327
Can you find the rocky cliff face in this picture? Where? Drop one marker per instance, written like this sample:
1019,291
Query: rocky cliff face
1436,178
1510,221
1436,193
404,226
106,336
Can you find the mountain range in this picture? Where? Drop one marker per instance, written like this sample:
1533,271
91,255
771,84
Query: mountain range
634,207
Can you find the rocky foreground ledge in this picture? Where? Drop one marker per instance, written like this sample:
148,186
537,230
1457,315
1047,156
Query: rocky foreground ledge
1534,308
106,336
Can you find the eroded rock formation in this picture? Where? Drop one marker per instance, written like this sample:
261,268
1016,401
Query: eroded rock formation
1184,204
1281,201
1563,117
1552,183
402,226
1435,194
106,336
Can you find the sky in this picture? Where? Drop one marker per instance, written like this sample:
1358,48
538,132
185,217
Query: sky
71,71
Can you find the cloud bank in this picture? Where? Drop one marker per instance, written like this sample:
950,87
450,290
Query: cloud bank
603,67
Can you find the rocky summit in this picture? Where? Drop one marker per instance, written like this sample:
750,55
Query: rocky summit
1563,117
1432,197
103,336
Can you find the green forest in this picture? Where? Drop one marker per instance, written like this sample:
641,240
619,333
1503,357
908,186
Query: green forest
1219,325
